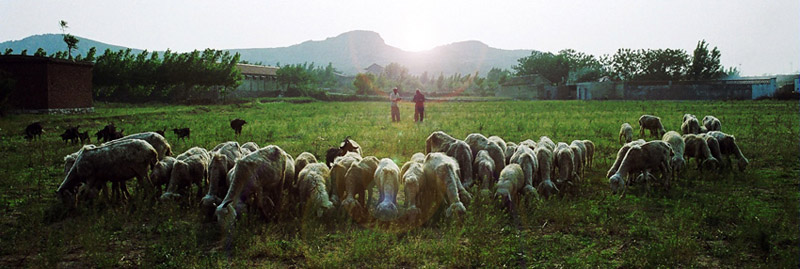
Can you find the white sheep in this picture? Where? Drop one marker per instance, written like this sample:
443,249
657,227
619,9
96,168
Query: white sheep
511,147
156,140
387,178
621,155
359,181
546,142
312,189
190,167
130,158
411,175
728,147
484,168
440,180
302,160
339,168
652,123
499,141
526,159
564,164
678,146
161,172
711,123
688,116
528,143
589,152
441,142
478,142
438,141
713,146
510,185
223,158
650,156
543,181
625,133
579,148
250,146
258,177
697,148
690,125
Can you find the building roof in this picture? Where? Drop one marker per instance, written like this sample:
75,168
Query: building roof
40,59
534,79
257,70
375,69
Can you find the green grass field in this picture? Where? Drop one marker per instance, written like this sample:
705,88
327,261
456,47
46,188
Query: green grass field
735,220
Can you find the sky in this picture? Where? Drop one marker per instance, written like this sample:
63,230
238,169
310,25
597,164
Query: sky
757,37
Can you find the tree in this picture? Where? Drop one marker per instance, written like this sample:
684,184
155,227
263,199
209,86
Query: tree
364,83
296,80
553,67
705,64
40,53
70,40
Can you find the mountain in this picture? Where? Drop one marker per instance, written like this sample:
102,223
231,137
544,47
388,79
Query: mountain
52,43
349,52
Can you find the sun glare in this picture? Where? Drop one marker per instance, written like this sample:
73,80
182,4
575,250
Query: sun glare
416,37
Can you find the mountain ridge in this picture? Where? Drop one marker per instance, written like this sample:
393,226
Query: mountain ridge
349,52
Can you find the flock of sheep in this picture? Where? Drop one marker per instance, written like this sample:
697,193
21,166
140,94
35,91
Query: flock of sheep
235,177
707,144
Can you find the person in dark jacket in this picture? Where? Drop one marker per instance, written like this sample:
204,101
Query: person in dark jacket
419,106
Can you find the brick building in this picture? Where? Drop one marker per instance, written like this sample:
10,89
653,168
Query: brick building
48,85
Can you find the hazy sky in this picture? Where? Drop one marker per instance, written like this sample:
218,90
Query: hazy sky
756,36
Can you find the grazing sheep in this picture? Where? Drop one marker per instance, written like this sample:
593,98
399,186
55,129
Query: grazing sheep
625,133
526,159
34,130
510,185
650,156
511,147
250,146
564,164
258,177
117,188
339,169
621,155
223,158
131,158
156,140
236,125
302,160
484,169
359,181
438,141
478,142
676,142
580,155
652,123
577,156
346,146
528,143
183,133
690,125
589,152
312,190
161,172
547,143
410,176
499,141
697,147
462,152
544,184
728,147
711,123
190,167
387,178
713,146
688,116
440,180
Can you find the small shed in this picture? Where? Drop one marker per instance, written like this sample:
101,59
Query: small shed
48,85
257,78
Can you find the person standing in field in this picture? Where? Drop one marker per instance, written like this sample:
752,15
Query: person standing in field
419,106
394,97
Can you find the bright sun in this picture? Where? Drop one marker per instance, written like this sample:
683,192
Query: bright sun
417,37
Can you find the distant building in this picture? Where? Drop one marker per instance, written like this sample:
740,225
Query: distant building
257,80
48,85
527,87
734,89
374,69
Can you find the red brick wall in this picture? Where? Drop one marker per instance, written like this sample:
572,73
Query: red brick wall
46,83
31,84
70,86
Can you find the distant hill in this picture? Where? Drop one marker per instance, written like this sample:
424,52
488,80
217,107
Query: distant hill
52,43
349,52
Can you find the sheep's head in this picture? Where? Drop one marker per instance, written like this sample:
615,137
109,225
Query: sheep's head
386,211
347,145
742,163
67,197
678,163
226,215
547,188
504,197
170,196
210,201
617,183
349,204
711,163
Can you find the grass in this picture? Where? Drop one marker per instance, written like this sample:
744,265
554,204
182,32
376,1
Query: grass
729,220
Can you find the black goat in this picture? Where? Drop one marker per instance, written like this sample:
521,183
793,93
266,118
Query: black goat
34,130
237,125
182,133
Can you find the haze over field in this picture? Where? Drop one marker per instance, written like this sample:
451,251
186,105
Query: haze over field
758,37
